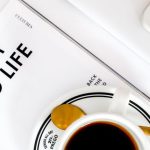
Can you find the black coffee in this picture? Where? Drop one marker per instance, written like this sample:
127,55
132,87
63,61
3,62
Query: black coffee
101,136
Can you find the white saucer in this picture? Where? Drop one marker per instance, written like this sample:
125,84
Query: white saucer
91,100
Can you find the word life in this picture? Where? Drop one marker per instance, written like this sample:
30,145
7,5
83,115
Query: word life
14,62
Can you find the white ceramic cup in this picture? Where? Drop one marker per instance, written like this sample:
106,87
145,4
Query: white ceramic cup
114,115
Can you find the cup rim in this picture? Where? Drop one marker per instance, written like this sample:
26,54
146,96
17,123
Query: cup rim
134,130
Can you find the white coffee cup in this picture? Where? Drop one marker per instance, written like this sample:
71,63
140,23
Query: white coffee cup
115,115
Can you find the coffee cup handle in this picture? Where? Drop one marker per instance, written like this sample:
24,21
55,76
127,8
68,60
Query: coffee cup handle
120,102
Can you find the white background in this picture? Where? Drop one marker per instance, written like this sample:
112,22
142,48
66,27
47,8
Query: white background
99,41
56,66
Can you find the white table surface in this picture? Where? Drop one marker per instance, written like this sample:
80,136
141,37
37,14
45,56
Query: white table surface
2,3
